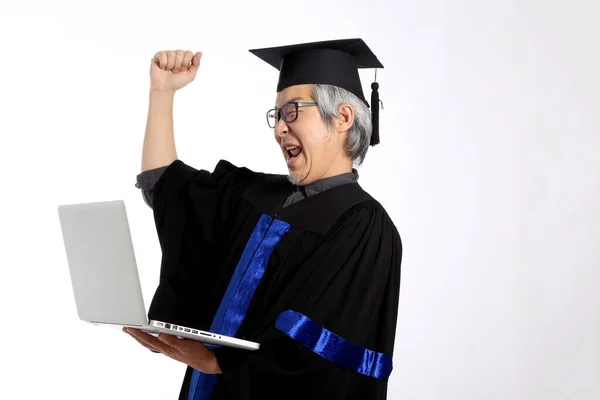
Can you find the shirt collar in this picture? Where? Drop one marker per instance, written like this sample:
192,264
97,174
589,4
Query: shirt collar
327,183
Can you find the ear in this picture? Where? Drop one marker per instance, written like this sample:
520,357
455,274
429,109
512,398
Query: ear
345,118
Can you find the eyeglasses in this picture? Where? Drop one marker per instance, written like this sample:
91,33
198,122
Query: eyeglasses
289,112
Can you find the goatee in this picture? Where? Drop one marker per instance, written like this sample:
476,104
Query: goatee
294,179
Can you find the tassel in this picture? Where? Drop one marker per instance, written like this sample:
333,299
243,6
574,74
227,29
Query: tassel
375,113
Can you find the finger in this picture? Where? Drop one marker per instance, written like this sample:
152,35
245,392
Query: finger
164,59
195,63
189,352
178,61
146,345
150,347
170,340
138,333
152,341
187,60
185,348
171,58
180,54
160,58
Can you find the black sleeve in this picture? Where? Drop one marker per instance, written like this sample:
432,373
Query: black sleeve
183,191
146,181
353,298
190,207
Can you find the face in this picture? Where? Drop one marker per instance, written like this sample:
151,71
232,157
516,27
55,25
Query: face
319,149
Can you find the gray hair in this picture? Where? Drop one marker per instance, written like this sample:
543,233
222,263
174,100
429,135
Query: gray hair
359,135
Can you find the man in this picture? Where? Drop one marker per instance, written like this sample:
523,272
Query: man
307,265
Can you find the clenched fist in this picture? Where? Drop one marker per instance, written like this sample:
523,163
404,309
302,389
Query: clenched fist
173,69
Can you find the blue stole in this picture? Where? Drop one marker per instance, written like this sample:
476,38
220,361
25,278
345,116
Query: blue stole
333,347
234,305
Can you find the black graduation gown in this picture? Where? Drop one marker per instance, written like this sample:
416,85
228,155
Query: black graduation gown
320,280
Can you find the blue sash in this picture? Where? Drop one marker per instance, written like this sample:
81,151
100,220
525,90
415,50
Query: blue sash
234,305
333,347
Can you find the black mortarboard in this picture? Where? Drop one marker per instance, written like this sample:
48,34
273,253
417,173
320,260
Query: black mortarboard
333,62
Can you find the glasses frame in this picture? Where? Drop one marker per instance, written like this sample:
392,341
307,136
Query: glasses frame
297,104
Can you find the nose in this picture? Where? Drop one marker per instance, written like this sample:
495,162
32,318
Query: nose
281,129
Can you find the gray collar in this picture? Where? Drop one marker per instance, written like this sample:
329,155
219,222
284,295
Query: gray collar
302,192
327,183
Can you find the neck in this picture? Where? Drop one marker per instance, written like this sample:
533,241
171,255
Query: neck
338,167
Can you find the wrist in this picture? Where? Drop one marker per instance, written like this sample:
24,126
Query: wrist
162,93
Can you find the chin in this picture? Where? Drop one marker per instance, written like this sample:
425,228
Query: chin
294,178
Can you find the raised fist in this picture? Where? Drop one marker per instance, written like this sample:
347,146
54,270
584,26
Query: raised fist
173,69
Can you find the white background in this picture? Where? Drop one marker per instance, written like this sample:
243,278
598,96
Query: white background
489,165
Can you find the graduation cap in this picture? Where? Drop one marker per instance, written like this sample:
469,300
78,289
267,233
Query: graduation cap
333,62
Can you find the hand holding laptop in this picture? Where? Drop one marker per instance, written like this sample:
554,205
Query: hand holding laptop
190,352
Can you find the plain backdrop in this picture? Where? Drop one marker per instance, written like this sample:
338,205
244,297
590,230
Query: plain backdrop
489,165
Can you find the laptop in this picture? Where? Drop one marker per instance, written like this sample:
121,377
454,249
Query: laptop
105,278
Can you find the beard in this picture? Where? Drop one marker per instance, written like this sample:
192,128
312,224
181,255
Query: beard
294,179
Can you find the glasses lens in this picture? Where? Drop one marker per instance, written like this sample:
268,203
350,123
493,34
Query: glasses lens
272,118
289,112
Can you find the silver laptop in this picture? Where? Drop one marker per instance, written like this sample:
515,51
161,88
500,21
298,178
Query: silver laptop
104,273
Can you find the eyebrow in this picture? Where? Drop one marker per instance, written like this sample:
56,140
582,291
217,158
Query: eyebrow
291,100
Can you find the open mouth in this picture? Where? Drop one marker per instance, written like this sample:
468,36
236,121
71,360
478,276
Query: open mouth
293,152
